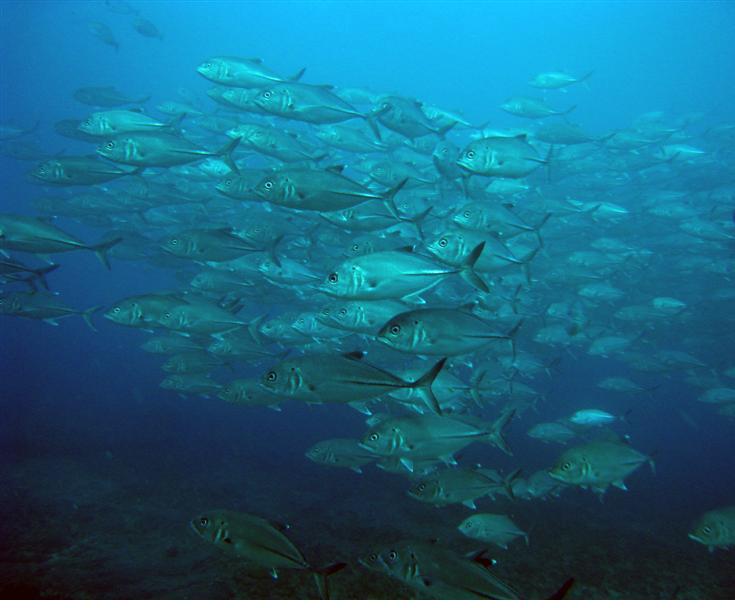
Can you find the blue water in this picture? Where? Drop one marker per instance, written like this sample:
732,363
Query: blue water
102,469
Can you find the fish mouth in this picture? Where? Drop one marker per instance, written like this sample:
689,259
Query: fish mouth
463,164
557,476
696,538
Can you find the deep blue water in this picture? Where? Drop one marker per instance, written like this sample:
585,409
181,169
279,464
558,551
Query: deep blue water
94,450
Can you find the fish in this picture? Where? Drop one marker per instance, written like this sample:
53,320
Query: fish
597,465
33,235
248,392
510,157
330,378
419,437
459,485
342,452
492,528
113,122
556,432
402,274
595,417
257,542
437,572
146,28
242,72
531,107
103,32
43,306
556,80
146,149
715,529
440,331
106,96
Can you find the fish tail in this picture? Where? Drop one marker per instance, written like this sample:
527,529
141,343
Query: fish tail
562,592
370,119
468,273
495,433
297,76
226,153
537,229
321,577
87,316
511,335
418,219
271,250
389,198
423,386
101,249
42,272
445,129
547,160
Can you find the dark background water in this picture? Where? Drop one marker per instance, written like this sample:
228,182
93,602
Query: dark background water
92,448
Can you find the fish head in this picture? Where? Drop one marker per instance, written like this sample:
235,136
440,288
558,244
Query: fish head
274,100
450,248
571,468
283,379
469,527
211,526
384,439
229,185
213,69
174,319
426,490
403,332
273,188
91,125
469,216
342,282
232,393
9,303
178,244
125,313
707,530
472,158
321,453
112,149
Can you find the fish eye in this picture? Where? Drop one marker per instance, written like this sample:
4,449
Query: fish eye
373,437
392,556
468,524
342,312
271,377
373,557
707,530
467,213
110,145
421,487
204,521
355,247
267,94
395,329
566,466
228,182
470,154
174,241
167,315
116,309
443,242
333,278
268,185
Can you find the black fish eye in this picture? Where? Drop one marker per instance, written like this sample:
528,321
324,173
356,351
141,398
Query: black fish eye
110,145
271,377
355,247
333,278
392,556
467,213
268,185
468,524
174,241
267,94
395,329
566,466
443,242
471,154
373,557
116,309
373,437
706,529
204,521
421,487
228,182
342,312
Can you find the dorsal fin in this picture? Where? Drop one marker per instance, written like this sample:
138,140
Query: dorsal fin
336,169
257,60
355,355
406,249
521,136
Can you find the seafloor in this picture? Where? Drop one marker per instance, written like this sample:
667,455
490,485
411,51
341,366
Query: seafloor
114,525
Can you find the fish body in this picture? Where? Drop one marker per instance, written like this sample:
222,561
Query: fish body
241,72
491,528
500,157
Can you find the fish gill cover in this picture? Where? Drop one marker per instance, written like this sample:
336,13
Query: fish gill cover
367,300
